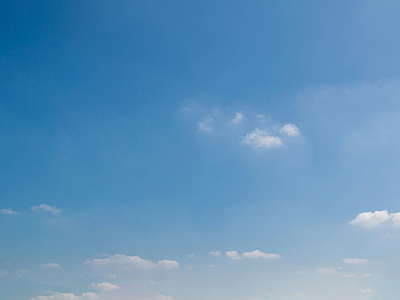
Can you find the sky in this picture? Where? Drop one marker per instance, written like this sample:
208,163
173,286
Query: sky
191,150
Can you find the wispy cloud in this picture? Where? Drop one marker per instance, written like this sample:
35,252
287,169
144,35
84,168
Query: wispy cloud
205,125
238,118
8,211
163,297
256,254
131,262
354,261
67,296
216,253
54,210
325,271
50,266
367,290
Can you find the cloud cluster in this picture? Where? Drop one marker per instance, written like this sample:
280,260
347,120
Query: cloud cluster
375,219
261,139
256,254
8,211
131,262
54,210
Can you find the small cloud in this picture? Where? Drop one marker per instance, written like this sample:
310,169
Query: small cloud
302,272
130,262
152,282
67,296
290,129
216,253
371,219
205,126
233,254
327,271
261,118
50,266
8,211
354,261
105,286
192,255
8,264
367,290
3,273
366,275
54,210
168,264
213,266
260,139
189,267
258,254
22,273
238,118
351,275
112,276
163,297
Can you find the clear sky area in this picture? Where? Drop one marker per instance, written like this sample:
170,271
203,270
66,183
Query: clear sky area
199,150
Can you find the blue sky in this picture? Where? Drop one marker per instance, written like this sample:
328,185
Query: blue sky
230,150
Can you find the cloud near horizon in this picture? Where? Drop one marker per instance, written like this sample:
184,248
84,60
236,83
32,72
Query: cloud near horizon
256,254
131,262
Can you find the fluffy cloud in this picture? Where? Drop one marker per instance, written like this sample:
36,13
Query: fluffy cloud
256,254
290,129
216,253
233,254
54,210
325,271
260,139
67,296
131,262
354,261
105,286
50,266
375,219
238,118
8,211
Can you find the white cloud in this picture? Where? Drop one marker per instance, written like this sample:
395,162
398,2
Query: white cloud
105,286
50,266
238,118
253,255
367,290
112,276
205,126
3,273
354,261
192,255
325,271
8,211
366,275
371,219
258,254
290,130
233,254
22,273
168,264
131,262
163,297
54,210
396,219
261,118
260,139
216,253
67,296
351,275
